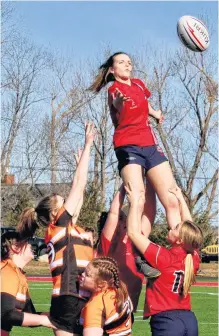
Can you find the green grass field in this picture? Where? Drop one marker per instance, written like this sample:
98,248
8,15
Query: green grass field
204,303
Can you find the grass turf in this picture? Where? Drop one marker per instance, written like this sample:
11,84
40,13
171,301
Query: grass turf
204,303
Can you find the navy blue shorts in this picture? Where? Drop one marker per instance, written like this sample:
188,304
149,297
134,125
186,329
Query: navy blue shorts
147,157
174,323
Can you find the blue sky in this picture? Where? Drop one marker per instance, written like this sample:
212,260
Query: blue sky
83,28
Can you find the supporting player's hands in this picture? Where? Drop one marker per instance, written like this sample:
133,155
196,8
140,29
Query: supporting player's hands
45,322
90,133
135,195
177,192
119,99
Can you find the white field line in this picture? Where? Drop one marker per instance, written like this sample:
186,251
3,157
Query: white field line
41,288
204,293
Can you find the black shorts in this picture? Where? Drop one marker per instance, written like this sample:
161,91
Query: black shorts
65,313
147,157
174,322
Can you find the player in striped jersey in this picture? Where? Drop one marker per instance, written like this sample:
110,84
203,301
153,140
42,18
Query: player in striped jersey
109,308
69,247
167,299
16,306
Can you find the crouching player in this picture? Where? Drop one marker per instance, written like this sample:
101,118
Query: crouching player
109,308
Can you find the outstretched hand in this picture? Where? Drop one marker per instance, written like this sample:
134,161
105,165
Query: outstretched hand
159,116
119,99
90,133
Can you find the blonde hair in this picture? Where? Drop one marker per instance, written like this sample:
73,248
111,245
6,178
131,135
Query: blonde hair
107,269
192,239
31,217
104,75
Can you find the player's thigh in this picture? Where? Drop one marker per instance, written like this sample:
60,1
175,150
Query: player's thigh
134,174
150,201
161,179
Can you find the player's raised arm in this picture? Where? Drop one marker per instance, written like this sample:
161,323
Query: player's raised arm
80,178
114,213
184,210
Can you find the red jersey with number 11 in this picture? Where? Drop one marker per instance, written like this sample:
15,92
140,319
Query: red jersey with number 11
164,293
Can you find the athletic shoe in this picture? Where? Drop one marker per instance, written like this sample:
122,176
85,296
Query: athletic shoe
143,267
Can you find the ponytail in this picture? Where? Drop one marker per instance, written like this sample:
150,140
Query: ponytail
28,223
104,76
121,296
192,239
189,277
31,218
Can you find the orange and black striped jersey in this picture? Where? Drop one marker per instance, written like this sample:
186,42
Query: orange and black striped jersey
100,312
15,298
69,252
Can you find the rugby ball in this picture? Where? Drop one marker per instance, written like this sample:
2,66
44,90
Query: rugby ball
193,33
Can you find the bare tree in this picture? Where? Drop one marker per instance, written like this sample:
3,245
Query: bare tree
66,103
104,154
21,72
7,25
185,90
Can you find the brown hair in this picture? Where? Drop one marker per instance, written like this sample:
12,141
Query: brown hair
104,76
107,269
7,240
30,217
192,238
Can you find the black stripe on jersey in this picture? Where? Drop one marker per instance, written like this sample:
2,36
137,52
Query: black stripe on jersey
57,271
117,323
81,241
64,219
60,243
69,275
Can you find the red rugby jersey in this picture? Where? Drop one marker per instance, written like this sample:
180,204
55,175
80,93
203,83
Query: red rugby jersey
163,293
120,248
131,123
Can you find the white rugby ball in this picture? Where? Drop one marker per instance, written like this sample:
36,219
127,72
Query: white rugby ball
193,33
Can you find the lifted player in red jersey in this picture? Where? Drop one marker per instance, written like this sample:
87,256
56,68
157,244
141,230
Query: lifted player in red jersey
134,141
167,297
